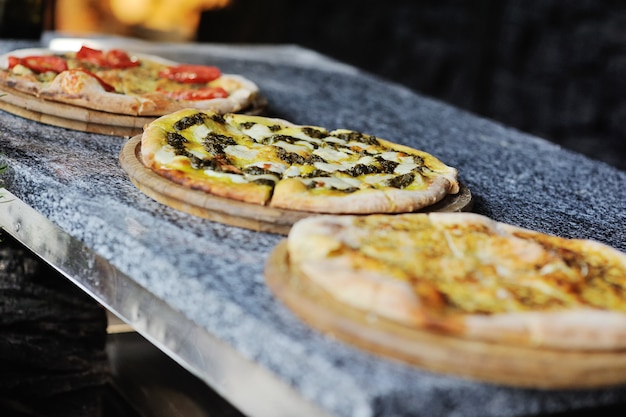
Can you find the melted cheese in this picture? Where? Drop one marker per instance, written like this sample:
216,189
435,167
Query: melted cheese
199,131
391,156
199,152
335,141
165,155
402,169
258,131
293,147
366,160
329,167
236,178
479,268
20,69
292,171
242,153
270,166
331,155
376,179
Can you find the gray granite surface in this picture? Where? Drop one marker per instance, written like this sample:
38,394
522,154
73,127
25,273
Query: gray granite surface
213,274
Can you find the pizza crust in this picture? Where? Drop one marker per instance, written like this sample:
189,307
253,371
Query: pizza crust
406,201
292,194
575,329
26,84
80,89
312,251
247,193
392,300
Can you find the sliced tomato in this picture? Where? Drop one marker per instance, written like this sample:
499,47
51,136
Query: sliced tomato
45,63
13,61
94,56
40,63
86,53
114,58
205,93
191,74
107,87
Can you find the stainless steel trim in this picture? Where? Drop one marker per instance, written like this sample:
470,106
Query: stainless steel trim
249,387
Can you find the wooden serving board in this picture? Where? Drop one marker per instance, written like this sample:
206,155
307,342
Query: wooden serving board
232,212
488,362
68,116
81,118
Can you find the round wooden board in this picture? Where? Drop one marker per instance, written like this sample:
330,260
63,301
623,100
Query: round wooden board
68,116
487,362
82,126
80,118
232,212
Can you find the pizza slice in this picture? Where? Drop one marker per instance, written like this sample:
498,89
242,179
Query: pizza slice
276,163
465,275
120,82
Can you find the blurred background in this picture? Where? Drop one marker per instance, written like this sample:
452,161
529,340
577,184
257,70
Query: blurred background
551,68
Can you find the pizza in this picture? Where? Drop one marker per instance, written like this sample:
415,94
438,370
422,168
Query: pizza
464,275
273,162
120,82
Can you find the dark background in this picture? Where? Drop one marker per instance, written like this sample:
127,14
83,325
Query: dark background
556,69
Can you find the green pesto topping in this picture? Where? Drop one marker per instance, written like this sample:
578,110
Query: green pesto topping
362,169
176,140
402,181
290,157
255,170
188,121
215,143
246,125
314,133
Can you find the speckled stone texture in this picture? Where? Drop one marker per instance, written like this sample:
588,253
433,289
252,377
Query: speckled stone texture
213,274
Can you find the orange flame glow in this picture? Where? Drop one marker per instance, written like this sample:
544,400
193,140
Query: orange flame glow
176,19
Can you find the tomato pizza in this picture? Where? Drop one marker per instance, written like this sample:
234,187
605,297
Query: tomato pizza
120,82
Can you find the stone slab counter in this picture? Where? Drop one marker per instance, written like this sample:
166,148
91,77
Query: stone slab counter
196,289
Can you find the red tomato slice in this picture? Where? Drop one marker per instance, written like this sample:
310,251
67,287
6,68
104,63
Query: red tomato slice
13,61
206,93
94,56
39,64
86,52
114,58
191,74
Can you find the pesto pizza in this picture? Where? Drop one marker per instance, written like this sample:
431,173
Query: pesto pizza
119,82
273,162
465,275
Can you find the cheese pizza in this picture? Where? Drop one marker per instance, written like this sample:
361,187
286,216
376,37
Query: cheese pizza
119,82
465,275
275,163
